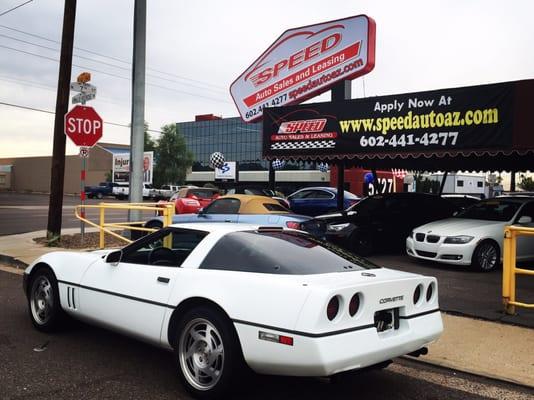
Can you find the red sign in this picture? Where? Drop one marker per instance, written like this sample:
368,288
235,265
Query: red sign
304,62
83,126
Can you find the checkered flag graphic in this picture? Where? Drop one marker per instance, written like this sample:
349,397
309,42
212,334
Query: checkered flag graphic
316,144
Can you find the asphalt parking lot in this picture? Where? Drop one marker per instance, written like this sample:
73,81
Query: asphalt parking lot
84,362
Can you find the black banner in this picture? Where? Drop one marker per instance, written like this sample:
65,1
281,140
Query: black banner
477,117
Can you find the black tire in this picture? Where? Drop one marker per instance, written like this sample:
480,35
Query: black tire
486,257
44,305
99,195
212,369
362,245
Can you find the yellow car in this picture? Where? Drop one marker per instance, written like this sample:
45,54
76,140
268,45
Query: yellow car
249,209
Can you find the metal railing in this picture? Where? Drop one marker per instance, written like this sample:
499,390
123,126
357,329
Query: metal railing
510,269
165,210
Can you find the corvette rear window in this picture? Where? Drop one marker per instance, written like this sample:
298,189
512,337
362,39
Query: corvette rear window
276,252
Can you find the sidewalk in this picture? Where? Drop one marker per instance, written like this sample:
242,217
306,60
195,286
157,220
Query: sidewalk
491,349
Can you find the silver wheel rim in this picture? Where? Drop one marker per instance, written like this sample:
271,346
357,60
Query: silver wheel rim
487,256
41,300
201,354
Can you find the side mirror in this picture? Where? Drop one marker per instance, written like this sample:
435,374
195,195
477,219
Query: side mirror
525,219
454,214
201,212
114,258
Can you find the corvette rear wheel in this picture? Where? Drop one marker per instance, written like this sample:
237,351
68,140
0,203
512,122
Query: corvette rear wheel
486,256
43,301
207,353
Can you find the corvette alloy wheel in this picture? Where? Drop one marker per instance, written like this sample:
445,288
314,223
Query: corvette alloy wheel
201,354
42,300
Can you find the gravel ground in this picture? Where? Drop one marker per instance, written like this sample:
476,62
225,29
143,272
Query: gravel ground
90,241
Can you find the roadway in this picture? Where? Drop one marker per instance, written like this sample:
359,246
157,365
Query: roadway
21,213
85,362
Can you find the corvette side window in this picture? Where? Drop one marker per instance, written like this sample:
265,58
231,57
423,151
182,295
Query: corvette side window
223,206
163,248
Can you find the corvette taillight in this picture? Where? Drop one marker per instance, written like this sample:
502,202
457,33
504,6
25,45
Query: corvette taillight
430,291
417,294
333,308
354,304
293,224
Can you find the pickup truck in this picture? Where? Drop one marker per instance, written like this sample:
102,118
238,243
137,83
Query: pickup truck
103,189
122,191
165,192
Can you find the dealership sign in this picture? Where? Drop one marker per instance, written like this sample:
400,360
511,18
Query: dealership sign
227,171
476,117
305,62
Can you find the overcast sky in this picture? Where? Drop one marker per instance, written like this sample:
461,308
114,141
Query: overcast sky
196,49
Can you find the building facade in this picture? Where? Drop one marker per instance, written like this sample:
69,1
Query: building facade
240,142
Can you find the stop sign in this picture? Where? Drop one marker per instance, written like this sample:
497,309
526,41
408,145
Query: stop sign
83,126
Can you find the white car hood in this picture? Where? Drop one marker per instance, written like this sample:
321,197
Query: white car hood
458,226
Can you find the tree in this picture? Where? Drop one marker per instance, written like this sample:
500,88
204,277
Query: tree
150,144
173,158
526,183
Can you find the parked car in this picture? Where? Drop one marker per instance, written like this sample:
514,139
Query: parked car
382,222
191,200
103,189
474,237
274,300
165,192
259,191
318,200
462,201
122,191
249,209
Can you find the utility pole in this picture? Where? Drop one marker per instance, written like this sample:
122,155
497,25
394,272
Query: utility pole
57,175
138,108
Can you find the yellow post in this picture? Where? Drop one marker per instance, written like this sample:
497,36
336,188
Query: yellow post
510,309
102,221
506,270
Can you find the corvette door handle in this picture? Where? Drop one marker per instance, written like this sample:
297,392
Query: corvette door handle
163,280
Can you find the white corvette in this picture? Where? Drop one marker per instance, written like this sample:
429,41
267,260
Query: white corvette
474,237
222,296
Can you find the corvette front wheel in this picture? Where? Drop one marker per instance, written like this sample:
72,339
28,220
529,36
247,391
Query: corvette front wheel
207,353
43,301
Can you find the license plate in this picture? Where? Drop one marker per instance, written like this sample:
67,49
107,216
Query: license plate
387,319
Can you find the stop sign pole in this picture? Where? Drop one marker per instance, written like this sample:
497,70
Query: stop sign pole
84,127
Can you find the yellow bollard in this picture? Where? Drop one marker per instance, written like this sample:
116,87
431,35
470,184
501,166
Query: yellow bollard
102,243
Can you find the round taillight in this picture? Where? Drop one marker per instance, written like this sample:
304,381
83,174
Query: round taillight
430,291
417,294
333,308
354,304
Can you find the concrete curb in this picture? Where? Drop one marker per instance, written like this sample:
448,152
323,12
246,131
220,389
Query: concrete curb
13,262
479,374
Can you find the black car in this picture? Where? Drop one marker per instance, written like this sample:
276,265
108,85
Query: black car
382,222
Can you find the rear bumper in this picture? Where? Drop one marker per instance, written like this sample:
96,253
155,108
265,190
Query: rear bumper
327,355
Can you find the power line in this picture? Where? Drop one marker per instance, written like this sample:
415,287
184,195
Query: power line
115,75
14,8
106,63
52,112
113,58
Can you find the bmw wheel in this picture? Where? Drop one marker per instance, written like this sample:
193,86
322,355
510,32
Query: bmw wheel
486,256
207,352
43,301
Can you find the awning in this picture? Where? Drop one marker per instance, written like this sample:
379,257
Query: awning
488,127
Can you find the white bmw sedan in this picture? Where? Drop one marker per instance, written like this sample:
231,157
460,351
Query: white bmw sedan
222,296
474,237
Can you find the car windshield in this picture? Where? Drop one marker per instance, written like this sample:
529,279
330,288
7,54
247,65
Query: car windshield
368,205
491,210
281,252
202,193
